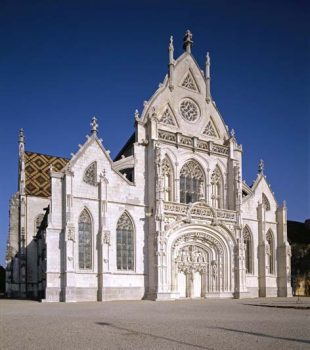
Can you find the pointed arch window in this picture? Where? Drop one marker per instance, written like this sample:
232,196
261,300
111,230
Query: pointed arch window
217,185
191,182
248,245
85,240
167,178
125,249
270,252
90,175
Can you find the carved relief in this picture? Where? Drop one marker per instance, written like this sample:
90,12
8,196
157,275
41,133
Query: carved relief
191,259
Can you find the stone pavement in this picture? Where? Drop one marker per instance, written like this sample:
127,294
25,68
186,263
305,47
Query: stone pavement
286,303
184,324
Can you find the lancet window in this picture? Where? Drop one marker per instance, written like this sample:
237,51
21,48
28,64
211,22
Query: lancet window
270,252
217,185
125,243
191,182
167,178
85,240
247,240
265,202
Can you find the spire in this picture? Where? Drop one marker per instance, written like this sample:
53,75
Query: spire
21,165
21,138
187,41
94,126
261,167
171,62
208,78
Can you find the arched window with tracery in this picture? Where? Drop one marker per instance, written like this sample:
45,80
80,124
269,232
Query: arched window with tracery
248,245
125,249
217,185
191,182
270,252
168,179
85,240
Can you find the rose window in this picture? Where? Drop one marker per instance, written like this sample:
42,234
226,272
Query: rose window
189,110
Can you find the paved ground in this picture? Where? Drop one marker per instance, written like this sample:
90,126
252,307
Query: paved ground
196,324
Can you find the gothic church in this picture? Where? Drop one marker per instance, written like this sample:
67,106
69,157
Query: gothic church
170,217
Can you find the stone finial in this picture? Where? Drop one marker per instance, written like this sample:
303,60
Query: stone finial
232,133
136,115
171,48
208,64
208,78
284,204
21,137
261,166
94,125
171,63
187,41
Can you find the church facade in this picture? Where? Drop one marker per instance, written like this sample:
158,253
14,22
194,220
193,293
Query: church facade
170,217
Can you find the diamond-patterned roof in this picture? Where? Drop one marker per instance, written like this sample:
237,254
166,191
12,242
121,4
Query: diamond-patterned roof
37,171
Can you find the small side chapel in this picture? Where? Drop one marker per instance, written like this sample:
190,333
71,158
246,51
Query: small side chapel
170,217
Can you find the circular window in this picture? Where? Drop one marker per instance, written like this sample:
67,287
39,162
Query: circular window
189,110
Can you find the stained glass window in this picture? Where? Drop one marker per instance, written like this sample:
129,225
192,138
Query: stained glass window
125,243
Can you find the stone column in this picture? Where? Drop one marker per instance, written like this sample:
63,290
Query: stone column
69,264
262,250
283,254
103,241
240,274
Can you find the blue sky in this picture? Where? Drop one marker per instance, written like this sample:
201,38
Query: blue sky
63,61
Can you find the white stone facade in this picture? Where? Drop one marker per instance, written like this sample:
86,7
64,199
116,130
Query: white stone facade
181,223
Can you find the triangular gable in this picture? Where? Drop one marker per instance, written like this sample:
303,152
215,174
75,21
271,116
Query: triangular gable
210,129
168,117
189,82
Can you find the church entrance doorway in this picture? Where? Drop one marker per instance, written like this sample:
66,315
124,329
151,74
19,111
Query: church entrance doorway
191,265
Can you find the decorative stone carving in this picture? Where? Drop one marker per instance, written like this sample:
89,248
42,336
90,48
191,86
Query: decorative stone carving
210,130
167,117
200,210
106,237
166,136
124,222
90,175
198,237
189,110
193,169
186,141
191,258
189,82
220,149
202,145
70,233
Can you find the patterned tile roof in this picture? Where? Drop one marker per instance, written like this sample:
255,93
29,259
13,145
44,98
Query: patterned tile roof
37,171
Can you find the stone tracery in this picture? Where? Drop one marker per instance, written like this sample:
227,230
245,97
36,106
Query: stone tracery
189,110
